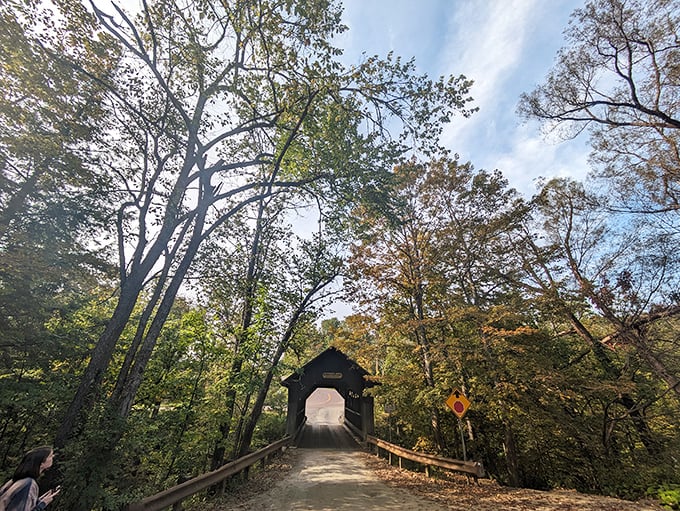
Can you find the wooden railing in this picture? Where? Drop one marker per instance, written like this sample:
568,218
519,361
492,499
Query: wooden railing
355,431
182,491
474,468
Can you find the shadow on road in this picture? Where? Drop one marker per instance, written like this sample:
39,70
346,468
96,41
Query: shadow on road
326,436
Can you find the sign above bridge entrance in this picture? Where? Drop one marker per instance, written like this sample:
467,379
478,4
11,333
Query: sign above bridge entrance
458,403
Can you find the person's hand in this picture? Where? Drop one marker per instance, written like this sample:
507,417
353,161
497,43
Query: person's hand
49,495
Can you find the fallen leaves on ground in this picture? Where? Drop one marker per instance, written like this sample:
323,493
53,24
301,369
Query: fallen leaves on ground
459,494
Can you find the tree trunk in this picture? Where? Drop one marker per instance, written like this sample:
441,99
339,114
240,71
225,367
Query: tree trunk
90,383
247,437
428,372
511,457
220,448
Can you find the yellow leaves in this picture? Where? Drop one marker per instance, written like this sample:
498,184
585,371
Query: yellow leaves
490,330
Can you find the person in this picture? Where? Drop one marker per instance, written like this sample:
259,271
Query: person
21,492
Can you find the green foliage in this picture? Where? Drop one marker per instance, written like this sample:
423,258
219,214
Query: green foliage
668,495
270,428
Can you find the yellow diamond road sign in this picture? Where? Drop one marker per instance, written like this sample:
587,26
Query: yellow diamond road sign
458,403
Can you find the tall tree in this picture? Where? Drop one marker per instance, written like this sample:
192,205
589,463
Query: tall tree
627,272
311,271
50,201
214,107
436,262
255,276
606,262
618,76
396,261
52,209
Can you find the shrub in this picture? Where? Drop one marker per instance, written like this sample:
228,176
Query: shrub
668,495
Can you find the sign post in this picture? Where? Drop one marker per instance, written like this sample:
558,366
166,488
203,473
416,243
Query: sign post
459,405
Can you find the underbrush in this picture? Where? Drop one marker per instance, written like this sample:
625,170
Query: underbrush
667,494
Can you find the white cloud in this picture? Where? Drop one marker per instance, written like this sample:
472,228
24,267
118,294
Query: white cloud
532,157
485,43
507,48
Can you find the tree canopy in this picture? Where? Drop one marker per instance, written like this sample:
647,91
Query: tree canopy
618,76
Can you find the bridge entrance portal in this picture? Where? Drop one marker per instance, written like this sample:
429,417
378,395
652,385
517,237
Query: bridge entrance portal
332,369
325,406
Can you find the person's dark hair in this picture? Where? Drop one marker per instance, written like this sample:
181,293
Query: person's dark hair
30,463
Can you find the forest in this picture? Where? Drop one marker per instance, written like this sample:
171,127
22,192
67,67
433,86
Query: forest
185,190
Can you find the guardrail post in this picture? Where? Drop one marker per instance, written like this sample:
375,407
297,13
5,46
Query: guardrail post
177,506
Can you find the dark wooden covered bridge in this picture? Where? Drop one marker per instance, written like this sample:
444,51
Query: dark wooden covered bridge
331,369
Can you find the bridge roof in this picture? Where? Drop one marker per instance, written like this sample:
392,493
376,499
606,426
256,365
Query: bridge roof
333,359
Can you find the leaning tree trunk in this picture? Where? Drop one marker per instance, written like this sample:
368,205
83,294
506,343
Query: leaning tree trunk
90,383
99,455
247,436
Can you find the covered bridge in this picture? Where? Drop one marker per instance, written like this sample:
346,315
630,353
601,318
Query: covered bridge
331,369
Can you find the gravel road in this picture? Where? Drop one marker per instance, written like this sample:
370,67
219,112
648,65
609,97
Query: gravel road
333,480
329,472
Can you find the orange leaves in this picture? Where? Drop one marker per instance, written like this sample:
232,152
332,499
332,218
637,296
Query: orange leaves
493,331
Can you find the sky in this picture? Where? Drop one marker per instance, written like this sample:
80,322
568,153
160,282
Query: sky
505,46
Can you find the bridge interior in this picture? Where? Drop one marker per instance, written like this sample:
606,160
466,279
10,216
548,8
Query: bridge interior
325,412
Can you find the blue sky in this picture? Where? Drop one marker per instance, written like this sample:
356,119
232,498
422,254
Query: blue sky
505,46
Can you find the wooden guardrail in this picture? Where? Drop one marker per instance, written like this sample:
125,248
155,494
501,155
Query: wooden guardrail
177,493
474,468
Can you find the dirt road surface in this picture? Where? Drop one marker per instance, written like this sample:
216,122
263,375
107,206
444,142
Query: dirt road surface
325,480
328,471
